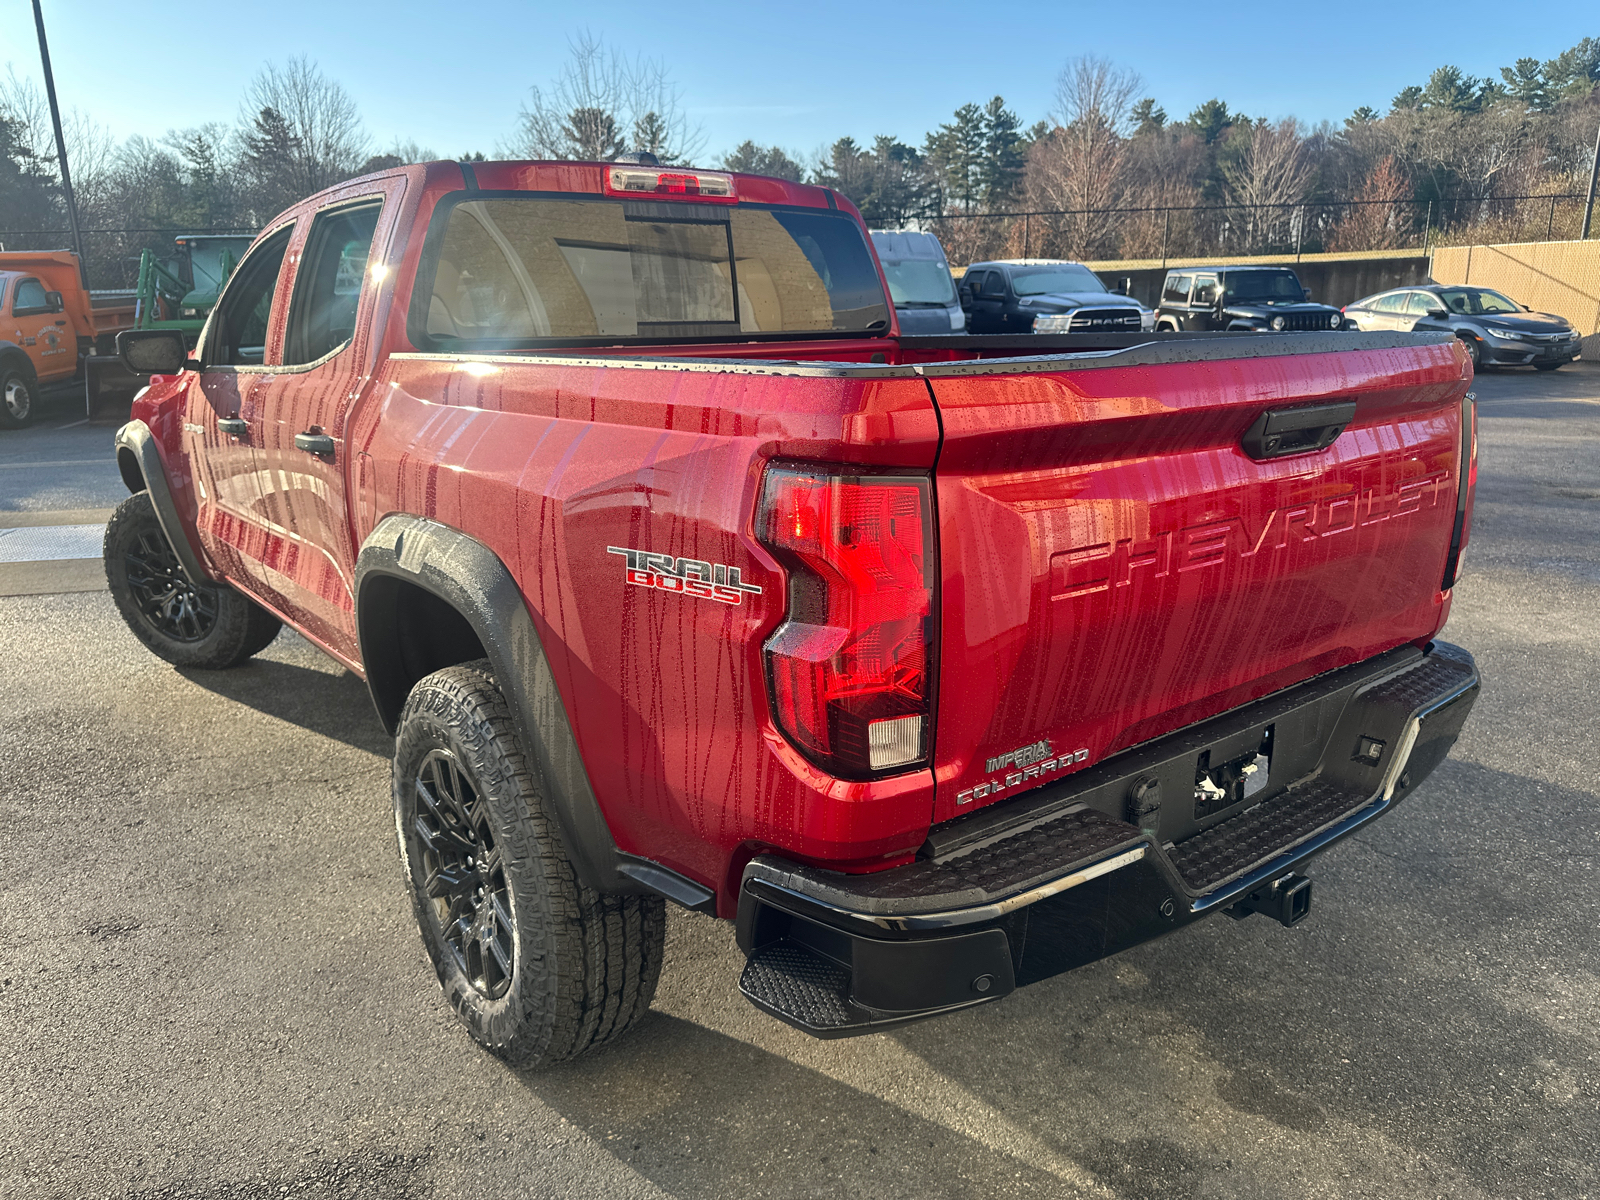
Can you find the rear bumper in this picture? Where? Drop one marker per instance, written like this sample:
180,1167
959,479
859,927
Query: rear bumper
1071,873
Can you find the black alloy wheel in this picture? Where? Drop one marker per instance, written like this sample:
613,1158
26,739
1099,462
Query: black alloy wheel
464,875
174,607
187,622
16,399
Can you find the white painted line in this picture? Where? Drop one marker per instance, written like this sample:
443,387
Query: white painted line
51,543
74,424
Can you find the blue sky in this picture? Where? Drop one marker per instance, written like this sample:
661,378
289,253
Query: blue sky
451,76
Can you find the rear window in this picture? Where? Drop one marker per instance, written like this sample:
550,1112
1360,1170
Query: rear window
516,270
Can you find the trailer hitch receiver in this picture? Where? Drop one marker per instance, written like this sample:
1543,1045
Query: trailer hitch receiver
1287,900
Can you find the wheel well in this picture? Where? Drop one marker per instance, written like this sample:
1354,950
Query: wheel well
128,466
408,633
13,358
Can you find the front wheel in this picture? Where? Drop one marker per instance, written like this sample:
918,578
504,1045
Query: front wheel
16,398
189,625
538,967
1474,351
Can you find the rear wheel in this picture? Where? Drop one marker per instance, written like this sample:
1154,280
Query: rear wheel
16,398
538,967
189,625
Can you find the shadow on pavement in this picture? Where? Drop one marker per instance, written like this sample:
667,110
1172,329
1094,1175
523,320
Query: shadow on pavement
722,1119
334,705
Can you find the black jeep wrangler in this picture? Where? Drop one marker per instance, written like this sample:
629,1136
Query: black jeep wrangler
1264,299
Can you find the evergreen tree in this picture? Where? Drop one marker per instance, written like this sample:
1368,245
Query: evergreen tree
1147,117
1211,120
592,135
956,152
651,135
762,160
1004,155
27,185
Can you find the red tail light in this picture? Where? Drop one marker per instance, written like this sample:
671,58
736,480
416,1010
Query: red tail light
851,667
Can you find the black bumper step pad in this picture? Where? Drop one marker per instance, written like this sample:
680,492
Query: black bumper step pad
1227,850
798,984
982,875
1437,675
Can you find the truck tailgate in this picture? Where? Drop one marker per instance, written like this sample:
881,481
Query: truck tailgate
1114,565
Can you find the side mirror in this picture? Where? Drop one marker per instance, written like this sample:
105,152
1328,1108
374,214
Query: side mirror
53,301
1437,314
152,351
1121,289
1306,292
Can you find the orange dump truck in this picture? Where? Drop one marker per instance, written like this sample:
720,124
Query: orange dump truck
49,322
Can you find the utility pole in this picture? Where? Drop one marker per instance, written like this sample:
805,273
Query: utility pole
61,144
1594,174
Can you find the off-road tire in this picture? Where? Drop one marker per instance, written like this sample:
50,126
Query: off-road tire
584,965
19,397
223,628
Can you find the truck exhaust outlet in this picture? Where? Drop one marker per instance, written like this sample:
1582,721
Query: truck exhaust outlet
1287,900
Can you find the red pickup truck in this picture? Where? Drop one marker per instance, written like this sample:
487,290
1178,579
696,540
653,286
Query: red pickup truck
941,665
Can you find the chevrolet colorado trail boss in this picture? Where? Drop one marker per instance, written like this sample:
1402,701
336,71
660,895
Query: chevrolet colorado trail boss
940,665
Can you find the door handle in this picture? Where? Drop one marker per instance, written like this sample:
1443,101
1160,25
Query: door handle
319,444
235,426
62,321
1285,431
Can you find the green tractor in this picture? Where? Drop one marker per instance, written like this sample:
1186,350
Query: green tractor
176,293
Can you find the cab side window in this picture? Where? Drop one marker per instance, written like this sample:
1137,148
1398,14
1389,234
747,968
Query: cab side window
1205,289
238,334
30,298
1177,289
973,280
322,316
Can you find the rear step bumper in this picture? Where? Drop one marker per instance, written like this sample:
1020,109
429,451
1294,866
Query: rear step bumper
1079,870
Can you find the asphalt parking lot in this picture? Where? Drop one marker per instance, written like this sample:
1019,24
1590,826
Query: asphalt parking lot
211,984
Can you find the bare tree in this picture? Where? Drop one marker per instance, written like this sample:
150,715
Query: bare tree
1272,172
1078,165
1378,221
324,141
602,104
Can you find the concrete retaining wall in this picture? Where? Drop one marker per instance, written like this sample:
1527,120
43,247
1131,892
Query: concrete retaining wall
1554,277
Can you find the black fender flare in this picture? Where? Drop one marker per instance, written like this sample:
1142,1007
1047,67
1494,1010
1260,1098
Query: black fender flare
12,354
137,445
469,577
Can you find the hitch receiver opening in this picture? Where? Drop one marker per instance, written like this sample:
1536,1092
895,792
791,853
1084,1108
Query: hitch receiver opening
1287,900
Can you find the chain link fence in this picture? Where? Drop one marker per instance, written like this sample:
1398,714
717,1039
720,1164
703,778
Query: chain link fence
1227,230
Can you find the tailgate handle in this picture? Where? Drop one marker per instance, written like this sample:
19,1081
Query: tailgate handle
1279,432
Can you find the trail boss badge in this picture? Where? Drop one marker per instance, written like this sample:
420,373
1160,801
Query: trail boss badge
685,576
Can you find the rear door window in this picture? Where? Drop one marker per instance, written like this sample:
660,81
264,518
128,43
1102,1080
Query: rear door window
517,270
1392,303
1177,289
327,288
